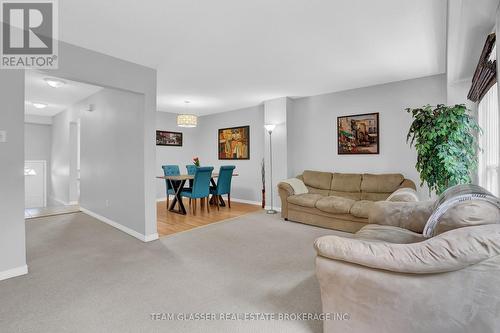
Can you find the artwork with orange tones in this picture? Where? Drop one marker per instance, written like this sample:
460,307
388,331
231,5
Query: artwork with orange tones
234,143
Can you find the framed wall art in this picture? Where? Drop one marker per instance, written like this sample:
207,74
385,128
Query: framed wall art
234,143
166,138
358,134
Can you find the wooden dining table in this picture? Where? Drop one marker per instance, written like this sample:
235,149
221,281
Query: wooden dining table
177,183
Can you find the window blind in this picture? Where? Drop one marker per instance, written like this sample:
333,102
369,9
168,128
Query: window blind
489,141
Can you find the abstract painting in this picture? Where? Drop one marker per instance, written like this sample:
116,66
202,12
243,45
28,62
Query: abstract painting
234,143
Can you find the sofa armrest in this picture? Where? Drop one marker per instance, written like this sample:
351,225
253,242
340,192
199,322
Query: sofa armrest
447,252
408,183
285,190
408,215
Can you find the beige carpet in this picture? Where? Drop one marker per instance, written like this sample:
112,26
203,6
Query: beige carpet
86,276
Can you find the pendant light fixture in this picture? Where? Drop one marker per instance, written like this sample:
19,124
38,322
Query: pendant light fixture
186,119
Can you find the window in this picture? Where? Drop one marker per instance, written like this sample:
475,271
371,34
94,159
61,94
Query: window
489,141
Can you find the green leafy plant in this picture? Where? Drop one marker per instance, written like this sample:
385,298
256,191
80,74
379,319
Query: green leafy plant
446,143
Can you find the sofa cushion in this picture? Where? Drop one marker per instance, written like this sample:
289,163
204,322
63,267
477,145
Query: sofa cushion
385,183
315,190
387,233
361,208
305,200
346,182
335,205
317,179
374,196
350,195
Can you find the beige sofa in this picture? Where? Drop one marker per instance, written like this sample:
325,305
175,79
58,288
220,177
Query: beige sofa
389,278
340,201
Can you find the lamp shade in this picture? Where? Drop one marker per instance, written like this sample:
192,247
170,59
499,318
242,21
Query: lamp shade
270,127
187,120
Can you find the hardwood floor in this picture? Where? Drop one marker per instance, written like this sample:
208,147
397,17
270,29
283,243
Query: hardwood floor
171,223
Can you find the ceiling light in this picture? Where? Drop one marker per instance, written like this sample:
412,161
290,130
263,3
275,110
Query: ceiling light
39,105
187,120
55,83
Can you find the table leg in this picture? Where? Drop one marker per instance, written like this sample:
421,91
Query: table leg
177,198
215,197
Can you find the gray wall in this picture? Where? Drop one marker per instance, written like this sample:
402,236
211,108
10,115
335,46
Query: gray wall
12,235
248,184
79,64
60,152
64,152
173,155
75,63
111,135
37,145
312,130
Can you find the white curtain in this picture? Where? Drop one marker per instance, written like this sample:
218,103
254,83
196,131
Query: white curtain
489,141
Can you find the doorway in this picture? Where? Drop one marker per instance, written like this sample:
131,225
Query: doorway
52,144
35,184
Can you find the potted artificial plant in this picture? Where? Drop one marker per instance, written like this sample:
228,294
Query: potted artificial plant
445,138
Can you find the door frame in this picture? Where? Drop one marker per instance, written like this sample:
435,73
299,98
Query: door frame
44,178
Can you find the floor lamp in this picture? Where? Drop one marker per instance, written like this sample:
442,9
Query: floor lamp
270,128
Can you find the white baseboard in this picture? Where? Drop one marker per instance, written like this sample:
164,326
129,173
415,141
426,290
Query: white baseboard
144,238
250,202
73,203
10,273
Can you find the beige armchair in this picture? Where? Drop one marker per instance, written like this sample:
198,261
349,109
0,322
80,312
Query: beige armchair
391,279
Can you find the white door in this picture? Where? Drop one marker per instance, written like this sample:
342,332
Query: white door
34,184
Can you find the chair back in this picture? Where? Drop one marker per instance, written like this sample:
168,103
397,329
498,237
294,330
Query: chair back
191,169
170,170
201,182
224,180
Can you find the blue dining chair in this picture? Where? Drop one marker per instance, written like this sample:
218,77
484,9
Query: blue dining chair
170,170
201,186
223,184
191,169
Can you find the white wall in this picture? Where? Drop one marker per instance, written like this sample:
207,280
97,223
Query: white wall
180,156
312,129
248,185
12,235
60,152
79,64
37,145
111,169
75,63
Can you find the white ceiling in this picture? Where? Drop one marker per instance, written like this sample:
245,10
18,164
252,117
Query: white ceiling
58,99
469,22
228,54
